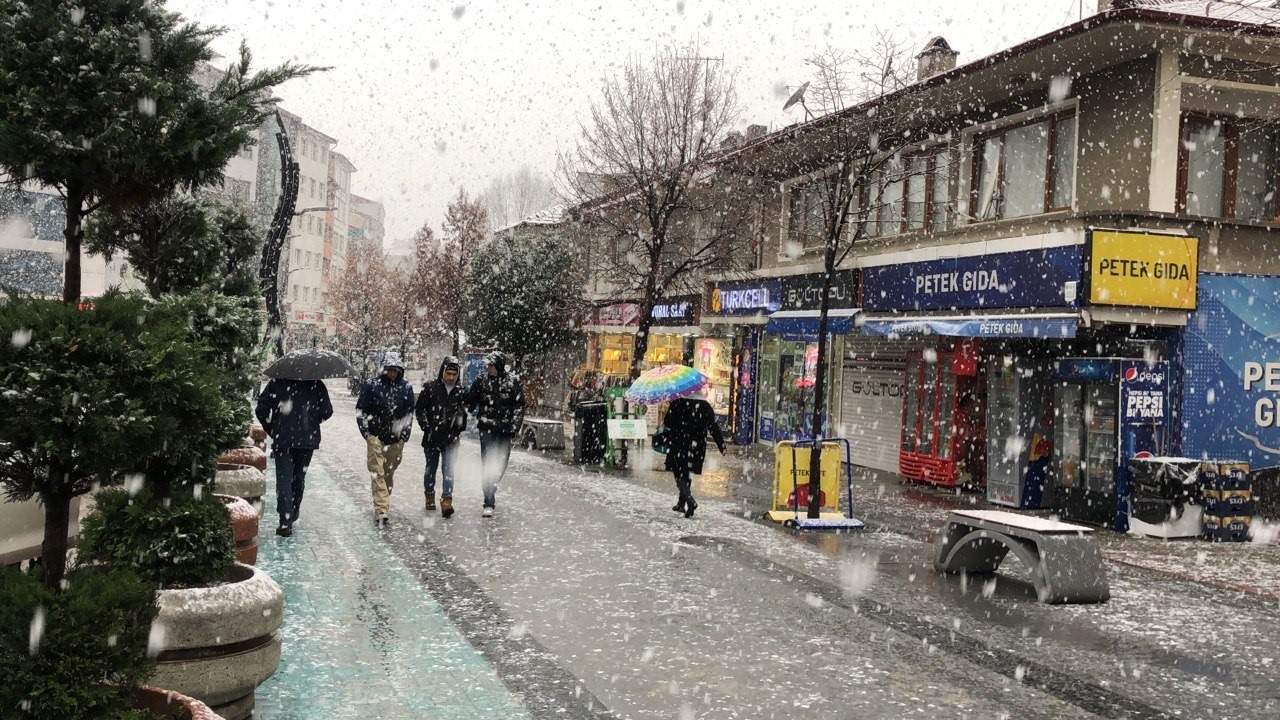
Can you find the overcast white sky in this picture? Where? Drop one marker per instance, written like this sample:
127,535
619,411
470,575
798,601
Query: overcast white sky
426,97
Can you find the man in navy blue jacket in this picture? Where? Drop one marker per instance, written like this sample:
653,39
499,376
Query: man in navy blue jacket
384,414
291,412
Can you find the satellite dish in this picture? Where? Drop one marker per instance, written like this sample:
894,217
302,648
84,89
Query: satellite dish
796,97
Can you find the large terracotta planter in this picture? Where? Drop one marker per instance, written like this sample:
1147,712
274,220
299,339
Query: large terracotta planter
245,456
243,481
221,642
169,704
244,527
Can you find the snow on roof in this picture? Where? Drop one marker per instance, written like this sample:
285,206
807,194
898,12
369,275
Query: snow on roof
1256,13
553,215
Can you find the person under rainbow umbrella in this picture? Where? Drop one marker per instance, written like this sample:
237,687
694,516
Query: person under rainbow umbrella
685,427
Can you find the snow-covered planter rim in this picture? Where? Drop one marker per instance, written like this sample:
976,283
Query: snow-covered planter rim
239,508
248,607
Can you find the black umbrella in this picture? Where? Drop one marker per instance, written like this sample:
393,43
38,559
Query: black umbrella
310,364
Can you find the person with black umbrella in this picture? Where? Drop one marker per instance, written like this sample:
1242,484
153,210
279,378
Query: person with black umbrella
291,412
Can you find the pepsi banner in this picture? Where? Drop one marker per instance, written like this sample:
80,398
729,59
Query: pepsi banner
1046,277
1144,392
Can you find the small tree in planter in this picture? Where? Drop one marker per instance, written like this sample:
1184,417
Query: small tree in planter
75,655
90,395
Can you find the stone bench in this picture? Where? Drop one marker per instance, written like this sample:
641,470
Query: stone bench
1064,559
542,434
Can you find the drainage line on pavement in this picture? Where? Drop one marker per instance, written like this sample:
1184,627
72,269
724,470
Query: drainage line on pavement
1083,694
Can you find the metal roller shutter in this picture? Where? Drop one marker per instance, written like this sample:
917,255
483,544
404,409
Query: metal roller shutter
871,398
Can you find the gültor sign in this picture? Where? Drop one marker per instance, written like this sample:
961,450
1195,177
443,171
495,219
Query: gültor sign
1140,269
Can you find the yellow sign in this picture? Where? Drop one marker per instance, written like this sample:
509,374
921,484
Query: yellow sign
1143,270
784,488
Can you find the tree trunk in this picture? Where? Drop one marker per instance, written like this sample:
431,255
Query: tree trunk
820,395
74,237
53,551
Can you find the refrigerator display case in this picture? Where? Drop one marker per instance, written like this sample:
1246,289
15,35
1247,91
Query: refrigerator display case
1109,411
1019,431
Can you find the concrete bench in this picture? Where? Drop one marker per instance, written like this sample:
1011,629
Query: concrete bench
542,434
1064,559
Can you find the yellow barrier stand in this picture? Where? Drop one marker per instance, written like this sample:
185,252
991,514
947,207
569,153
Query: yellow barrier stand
791,468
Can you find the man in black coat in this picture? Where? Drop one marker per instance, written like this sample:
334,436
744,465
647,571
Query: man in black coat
442,415
498,404
688,420
291,411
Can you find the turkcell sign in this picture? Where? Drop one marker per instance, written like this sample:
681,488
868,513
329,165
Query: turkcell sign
755,297
1045,277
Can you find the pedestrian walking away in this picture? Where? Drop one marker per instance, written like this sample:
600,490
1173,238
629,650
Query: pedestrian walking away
688,421
290,411
442,415
384,414
496,400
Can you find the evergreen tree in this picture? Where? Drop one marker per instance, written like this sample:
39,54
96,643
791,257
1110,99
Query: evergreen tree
524,294
99,100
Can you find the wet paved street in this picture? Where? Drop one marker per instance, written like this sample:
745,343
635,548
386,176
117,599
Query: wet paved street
587,597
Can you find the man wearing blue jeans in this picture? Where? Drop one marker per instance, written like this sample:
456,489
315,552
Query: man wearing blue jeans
498,404
442,416
291,411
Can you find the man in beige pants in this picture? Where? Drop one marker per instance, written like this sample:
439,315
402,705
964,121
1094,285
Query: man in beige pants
384,414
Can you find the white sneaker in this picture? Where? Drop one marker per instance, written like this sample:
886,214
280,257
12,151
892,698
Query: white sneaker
382,520
487,512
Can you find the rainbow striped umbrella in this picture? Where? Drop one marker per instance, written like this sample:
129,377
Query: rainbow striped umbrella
665,383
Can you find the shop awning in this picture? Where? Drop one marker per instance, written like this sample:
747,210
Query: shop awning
1048,326
805,322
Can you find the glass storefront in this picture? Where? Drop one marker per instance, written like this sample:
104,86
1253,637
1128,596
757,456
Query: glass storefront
788,370
615,354
713,357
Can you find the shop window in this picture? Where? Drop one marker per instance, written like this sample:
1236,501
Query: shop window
615,354
664,350
1024,169
713,357
1227,167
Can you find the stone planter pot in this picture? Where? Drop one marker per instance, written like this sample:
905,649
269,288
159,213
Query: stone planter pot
259,437
221,642
243,481
244,527
170,704
245,456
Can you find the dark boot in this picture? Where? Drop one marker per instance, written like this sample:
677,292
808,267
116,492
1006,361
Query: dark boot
431,501
680,504
690,506
446,505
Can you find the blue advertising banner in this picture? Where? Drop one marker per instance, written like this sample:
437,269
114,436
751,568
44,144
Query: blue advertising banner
1047,277
749,297
977,327
746,396
1231,356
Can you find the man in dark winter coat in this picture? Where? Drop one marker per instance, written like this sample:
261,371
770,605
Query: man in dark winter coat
384,414
442,415
498,404
290,411
688,420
